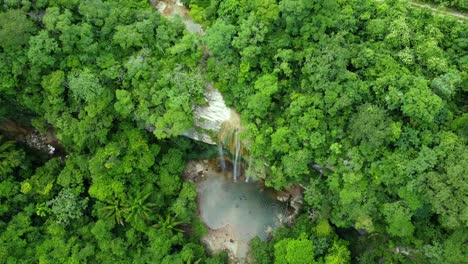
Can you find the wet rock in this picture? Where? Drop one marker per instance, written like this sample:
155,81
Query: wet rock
45,142
294,198
195,171
210,117
283,196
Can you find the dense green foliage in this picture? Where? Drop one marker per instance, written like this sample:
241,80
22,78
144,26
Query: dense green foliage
363,103
98,72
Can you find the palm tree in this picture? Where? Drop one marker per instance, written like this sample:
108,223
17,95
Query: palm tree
170,223
137,207
114,210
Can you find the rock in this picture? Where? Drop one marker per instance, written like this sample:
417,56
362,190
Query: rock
209,118
283,196
223,239
194,170
161,6
199,169
51,149
294,198
361,231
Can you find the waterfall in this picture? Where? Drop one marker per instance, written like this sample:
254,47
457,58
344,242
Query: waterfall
222,162
236,157
247,174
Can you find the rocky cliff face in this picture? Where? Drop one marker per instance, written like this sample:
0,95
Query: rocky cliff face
210,118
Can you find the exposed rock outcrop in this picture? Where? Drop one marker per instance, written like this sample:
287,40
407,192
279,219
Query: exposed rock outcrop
171,8
294,198
45,143
195,170
209,118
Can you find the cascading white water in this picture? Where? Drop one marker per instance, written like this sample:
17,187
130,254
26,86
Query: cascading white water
236,172
247,175
222,162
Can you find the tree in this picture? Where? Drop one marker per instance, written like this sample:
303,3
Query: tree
399,34
447,84
114,210
218,38
43,179
370,126
124,104
289,251
41,51
54,83
127,36
10,158
170,168
184,206
67,206
279,140
169,223
421,104
265,87
138,209
294,12
446,188
85,85
338,254
13,163
259,251
300,251
15,30
398,220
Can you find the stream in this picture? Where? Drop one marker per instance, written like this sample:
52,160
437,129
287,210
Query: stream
173,8
235,211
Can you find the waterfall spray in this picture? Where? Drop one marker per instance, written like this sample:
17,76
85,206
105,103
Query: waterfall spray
247,174
222,162
236,157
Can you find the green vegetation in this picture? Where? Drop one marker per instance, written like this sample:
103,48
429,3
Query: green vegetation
363,103
98,72
368,92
